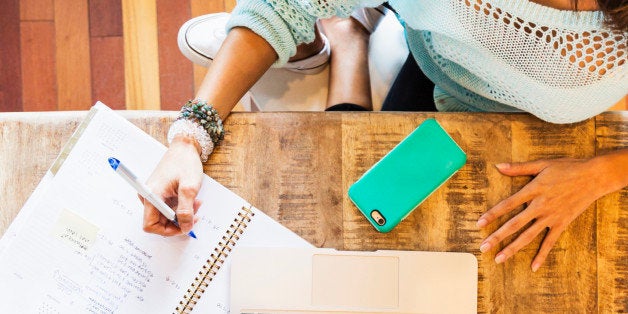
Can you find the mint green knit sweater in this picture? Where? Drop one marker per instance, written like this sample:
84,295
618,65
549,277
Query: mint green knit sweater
483,55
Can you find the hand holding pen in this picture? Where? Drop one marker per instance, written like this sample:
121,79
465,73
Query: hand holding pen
159,218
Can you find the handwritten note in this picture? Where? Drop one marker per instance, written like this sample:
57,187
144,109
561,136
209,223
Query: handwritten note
118,277
75,231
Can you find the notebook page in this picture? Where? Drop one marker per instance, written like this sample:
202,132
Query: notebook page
18,222
83,249
262,231
33,199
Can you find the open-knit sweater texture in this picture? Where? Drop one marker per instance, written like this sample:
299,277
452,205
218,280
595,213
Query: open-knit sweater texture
483,55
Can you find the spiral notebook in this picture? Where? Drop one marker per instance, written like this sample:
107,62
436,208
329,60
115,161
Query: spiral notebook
77,246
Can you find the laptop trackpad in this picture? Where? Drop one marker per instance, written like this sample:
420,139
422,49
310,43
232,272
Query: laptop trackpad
355,281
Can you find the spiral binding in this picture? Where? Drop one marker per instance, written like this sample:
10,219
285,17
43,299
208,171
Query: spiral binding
215,261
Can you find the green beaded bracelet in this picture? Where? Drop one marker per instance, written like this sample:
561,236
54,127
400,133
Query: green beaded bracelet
204,114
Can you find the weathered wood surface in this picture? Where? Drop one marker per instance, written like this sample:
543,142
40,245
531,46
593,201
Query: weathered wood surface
297,167
612,222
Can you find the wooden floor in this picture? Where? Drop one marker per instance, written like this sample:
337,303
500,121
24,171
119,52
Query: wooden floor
66,54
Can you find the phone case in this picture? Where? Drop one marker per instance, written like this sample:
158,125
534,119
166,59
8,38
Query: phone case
407,175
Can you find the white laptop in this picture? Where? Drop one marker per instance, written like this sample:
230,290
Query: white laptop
323,281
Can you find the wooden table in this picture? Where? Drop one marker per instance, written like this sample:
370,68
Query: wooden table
297,167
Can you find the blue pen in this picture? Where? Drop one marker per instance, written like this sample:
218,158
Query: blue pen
145,192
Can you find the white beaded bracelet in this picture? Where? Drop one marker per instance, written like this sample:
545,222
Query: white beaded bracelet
194,129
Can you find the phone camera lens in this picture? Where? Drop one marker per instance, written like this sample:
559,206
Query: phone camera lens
378,217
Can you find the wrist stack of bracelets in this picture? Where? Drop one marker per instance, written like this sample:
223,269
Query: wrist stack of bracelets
201,121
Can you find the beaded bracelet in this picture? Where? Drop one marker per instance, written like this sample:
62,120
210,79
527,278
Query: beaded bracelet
206,116
201,121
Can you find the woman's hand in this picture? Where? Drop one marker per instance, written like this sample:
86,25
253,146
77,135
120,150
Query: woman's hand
561,190
177,179
242,59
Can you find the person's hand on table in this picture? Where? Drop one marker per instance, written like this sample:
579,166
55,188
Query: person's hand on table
177,179
560,191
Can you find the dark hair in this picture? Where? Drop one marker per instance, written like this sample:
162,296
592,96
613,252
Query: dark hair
616,12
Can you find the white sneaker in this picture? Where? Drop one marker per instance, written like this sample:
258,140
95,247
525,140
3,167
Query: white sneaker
200,39
369,17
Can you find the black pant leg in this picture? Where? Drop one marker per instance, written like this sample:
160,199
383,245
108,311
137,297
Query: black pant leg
411,90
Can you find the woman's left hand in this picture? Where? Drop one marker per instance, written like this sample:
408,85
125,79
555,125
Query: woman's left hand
561,190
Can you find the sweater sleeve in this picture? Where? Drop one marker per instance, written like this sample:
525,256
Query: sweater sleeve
284,24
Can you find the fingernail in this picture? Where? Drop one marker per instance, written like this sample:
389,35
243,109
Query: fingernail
535,267
500,258
502,166
485,247
482,222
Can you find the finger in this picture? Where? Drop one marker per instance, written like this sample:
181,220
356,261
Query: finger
505,206
507,229
197,205
522,240
155,222
546,246
167,229
185,206
151,216
522,168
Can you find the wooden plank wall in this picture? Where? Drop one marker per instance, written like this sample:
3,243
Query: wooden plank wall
66,54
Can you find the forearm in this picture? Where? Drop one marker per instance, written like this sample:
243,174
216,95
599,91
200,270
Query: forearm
612,169
243,58
241,61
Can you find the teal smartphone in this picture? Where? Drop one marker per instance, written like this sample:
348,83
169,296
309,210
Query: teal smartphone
392,188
